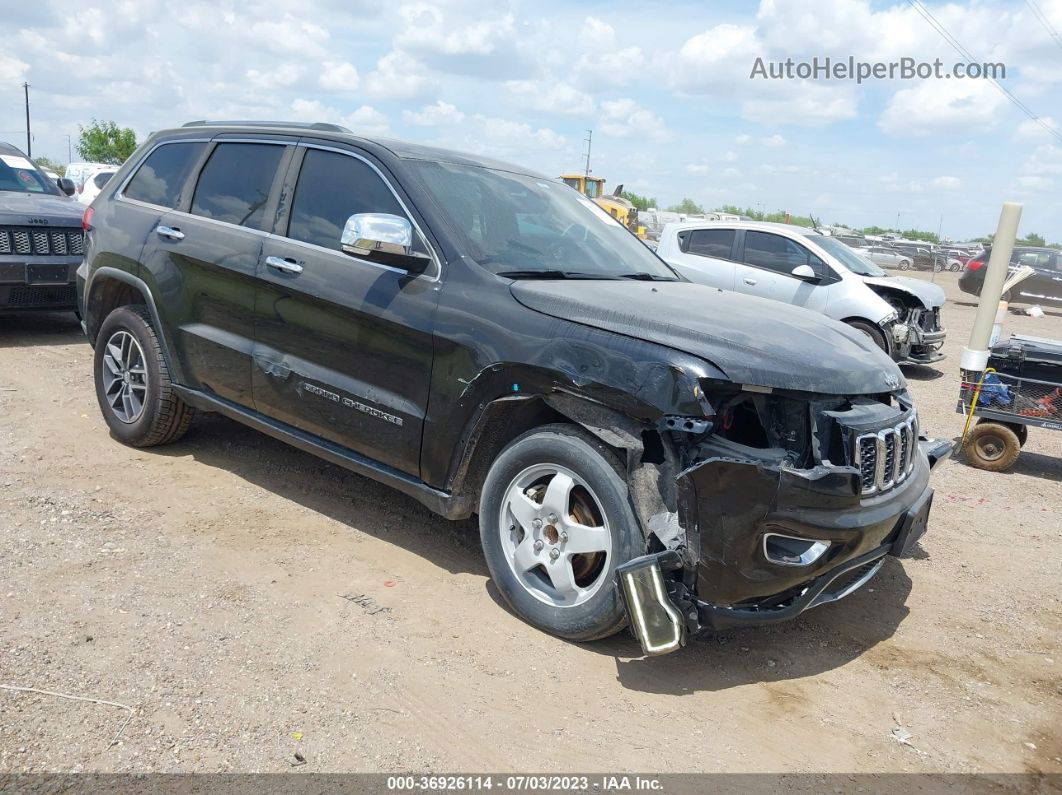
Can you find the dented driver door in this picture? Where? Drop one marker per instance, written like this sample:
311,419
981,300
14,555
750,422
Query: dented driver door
343,345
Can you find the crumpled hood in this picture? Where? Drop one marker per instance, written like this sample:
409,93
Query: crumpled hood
932,295
753,340
16,208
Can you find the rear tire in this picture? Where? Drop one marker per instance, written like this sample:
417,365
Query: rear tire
992,446
133,385
905,265
875,334
540,490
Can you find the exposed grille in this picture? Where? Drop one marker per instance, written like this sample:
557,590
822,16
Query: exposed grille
41,242
30,295
930,320
885,458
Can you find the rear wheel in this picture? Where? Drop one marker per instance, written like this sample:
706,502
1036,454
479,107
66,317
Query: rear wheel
555,521
133,384
1021,431
905,265
992,446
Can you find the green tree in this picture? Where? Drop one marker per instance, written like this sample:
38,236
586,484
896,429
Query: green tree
1033,239
50,165
686,207
106,142
641,202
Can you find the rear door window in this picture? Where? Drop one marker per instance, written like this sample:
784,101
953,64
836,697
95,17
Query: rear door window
718,243
235,183
161,176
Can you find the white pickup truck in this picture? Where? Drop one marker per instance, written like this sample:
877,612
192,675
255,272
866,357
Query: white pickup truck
800,266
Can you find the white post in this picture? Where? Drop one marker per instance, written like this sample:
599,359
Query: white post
975,355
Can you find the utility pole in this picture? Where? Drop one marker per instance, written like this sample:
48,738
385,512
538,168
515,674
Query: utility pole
29,138
589,140
69,151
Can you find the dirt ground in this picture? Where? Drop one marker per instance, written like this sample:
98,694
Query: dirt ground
248,601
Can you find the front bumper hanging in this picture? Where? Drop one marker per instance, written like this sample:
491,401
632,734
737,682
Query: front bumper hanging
664,613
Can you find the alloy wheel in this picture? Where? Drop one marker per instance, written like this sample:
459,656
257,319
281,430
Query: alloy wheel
124,374
554,535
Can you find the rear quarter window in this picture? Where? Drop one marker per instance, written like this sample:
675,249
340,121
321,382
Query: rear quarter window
161,176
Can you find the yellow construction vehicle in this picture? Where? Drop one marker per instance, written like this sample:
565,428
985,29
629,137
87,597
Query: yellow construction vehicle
614,204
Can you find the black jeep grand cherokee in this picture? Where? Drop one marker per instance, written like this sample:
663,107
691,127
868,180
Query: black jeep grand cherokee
638,448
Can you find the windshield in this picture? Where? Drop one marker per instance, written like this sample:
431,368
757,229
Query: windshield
17,173
526,227
856,263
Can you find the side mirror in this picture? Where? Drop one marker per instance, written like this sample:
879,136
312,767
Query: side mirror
383,238
805,272
66,186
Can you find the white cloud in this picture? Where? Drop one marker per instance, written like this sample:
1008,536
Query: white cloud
1035,183
698,168
339,76
441,113
427,29
774,141
624,118
603,62
284,75
744,138
716,61
364,120
801,104
942,107
12,70
1032,130
729,156
947,183
551,97
289,34
398,75
367,120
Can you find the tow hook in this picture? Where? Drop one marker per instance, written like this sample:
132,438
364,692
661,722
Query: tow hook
656,621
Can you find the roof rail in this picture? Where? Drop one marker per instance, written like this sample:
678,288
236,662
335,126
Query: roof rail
317,125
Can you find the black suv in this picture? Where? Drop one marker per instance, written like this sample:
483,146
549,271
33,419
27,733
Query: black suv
40,236
1045,283
638,448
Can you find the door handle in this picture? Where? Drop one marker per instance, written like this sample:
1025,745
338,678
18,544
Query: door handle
749,281
283,264
169,232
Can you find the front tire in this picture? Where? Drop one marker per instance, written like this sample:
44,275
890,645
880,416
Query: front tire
872,331
555,520
133,385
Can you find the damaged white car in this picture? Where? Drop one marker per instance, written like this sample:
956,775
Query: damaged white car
800,266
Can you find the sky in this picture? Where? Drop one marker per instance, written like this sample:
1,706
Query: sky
666,89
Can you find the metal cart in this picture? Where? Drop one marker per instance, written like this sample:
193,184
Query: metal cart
1005,405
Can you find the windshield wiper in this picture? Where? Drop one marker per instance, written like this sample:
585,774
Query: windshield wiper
647,277
552,274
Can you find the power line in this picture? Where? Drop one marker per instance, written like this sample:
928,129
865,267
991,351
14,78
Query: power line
951,40
1042,17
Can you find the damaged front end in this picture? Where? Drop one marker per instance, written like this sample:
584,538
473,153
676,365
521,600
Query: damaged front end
786,501
916,334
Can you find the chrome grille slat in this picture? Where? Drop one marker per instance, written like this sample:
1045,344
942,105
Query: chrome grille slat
885,458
